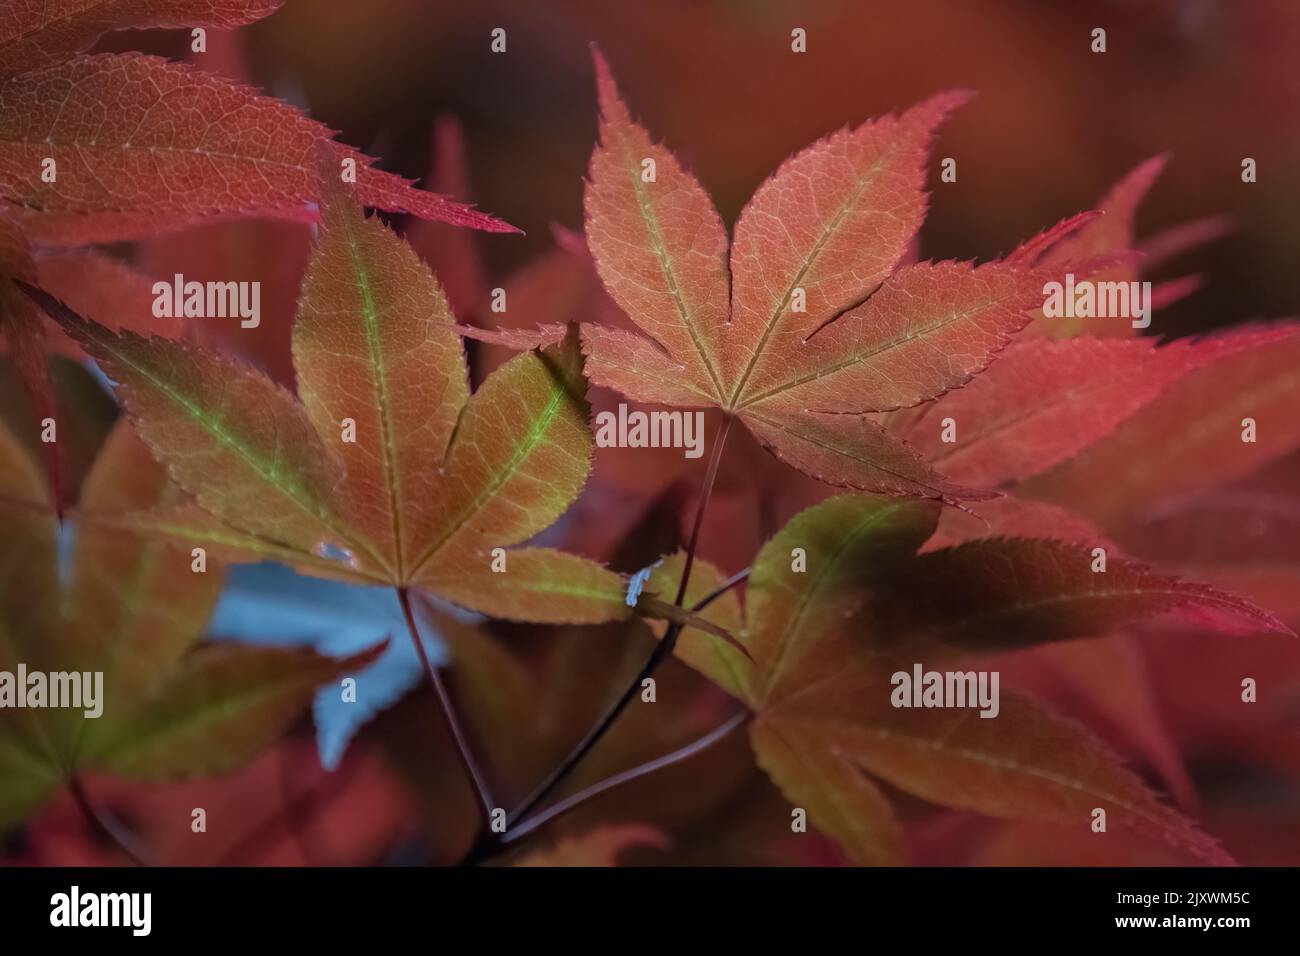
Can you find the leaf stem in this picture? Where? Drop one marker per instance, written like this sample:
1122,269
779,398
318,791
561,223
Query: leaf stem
720,590
104,824
660,653
463,750
715,459
562,807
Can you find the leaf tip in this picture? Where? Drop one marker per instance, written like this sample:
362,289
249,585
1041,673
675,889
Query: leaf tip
612,108
56,310
936,109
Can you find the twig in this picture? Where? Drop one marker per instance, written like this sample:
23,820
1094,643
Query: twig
709,476
609,783
720,590
449,713
660,653
105,824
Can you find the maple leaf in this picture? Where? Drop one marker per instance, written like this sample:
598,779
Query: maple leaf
1111,679
1044,401
269,604
1108,678
1047,402
38,34
531,307
1104,248
1014,517
825,636
141,145
133,609
1198,426
452,255
999,594
102,288
1114,232
1244,536
805,323
23,331
87,413
1204,506
95,283
362,480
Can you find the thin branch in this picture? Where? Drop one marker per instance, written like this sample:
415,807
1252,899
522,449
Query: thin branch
662,650
538,820
721,589
448,712
660,653
709,476
106,825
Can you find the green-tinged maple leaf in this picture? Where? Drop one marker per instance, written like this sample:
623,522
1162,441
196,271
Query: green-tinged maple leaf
805,323
815,774
839,599
1031,766
186,524
386,470
1108,677
28,774
133,611
1003,593
221,706
28,563
570,588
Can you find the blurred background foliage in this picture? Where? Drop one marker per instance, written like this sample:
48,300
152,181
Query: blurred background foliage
1053,127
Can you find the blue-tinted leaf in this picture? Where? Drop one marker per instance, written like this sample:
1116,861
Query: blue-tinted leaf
271,604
